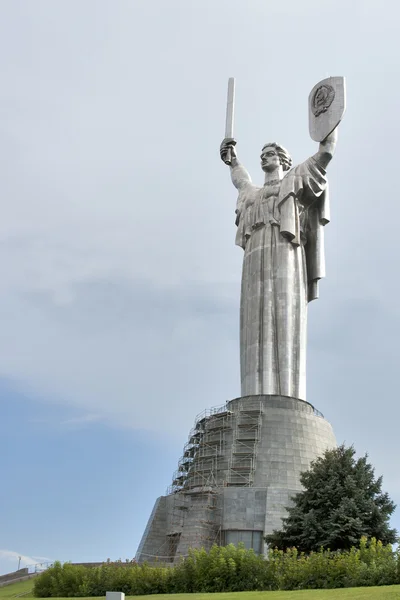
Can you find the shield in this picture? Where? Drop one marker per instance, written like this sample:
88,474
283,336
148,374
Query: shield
326,106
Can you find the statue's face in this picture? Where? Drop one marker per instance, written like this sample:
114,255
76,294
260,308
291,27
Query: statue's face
270,159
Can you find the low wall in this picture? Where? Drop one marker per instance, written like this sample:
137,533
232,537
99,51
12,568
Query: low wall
16,577
100,564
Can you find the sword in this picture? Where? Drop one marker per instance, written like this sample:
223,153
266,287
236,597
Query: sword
230,110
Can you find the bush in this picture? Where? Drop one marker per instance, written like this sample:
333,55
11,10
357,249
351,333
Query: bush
229,569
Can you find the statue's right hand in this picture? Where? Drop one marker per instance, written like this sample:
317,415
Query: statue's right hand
227,150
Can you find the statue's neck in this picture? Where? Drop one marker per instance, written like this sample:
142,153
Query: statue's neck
272,177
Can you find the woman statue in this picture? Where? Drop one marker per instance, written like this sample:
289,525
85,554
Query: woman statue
280,226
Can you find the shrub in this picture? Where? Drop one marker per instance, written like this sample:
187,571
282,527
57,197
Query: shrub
229,569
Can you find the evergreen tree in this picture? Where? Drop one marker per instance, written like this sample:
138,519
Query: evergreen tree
341,502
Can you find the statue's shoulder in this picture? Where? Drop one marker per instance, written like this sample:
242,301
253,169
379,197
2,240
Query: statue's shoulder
301,169
250,190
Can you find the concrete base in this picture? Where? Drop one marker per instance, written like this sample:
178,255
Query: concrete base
115,596
238,472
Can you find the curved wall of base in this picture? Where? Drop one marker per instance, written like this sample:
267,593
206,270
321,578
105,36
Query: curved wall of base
239,469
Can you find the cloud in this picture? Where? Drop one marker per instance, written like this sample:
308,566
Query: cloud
82,420
123,343
9,560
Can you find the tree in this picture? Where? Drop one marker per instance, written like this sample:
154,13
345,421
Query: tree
341,502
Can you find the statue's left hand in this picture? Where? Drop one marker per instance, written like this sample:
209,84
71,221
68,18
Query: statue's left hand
332,137
327,149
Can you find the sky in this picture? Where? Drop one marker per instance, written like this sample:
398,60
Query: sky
119,277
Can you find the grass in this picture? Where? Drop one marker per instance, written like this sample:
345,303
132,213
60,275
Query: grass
14,589
391,592
371,593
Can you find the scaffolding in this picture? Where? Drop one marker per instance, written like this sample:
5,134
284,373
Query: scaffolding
246,435
221,451
203,463
204,519
195,502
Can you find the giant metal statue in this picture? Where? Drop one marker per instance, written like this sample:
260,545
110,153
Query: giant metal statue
280,226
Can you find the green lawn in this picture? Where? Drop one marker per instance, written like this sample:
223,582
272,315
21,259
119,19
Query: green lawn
371,593
14,589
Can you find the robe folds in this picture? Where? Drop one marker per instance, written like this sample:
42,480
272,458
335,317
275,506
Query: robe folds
281,229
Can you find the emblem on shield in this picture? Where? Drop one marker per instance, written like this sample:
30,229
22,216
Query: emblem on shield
322,99
327,103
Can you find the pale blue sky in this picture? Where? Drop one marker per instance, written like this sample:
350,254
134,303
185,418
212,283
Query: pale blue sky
119,275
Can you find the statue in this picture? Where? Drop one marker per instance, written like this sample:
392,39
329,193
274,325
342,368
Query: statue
280,227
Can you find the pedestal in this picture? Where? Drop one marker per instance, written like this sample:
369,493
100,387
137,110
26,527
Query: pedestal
239,469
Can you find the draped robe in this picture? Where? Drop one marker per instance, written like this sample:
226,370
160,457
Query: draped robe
280,228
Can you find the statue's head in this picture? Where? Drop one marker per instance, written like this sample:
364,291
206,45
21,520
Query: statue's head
273,156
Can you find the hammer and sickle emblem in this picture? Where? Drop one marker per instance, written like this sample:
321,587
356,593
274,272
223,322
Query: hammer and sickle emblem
322,99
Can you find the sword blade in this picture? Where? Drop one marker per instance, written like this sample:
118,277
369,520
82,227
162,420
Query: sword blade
230,108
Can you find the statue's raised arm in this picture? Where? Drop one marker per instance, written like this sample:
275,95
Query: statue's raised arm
239,174
327,149
241,180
